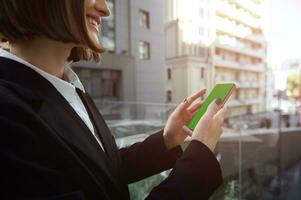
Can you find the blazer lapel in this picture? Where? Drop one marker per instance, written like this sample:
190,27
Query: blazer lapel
75,133
61,117
104,131
101,128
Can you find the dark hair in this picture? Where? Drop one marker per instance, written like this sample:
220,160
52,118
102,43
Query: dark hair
61,20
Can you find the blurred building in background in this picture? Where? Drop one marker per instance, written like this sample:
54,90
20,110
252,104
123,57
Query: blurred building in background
187,39
217,41
133,67
270,89
293,82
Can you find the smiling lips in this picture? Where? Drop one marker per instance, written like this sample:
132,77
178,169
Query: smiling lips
94,21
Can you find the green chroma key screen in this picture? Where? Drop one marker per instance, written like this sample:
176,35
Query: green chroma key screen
219,91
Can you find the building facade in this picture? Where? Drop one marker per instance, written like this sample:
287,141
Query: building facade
133,67
292,68
186,51
230,34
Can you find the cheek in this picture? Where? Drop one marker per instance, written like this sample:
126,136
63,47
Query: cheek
88,3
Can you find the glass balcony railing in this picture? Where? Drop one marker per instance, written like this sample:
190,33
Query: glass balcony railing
259,153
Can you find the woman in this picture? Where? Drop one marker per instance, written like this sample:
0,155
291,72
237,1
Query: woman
55,144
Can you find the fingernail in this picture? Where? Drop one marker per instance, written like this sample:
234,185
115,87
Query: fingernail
218,102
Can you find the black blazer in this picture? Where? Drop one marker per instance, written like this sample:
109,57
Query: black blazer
47,151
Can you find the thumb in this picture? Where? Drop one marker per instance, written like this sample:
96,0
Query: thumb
213,108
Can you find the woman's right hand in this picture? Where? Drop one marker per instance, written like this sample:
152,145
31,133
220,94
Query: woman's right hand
210,126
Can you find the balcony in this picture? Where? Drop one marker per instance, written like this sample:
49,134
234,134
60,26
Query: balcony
254,67
249,85
252,101
219,62
234,103
256,38
234,32
224,9
240,49
249,6
244,102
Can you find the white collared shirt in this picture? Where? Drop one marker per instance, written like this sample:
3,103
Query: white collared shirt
66,89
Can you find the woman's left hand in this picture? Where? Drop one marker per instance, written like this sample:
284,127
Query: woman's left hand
174,131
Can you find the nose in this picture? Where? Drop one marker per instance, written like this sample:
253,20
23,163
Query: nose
102,8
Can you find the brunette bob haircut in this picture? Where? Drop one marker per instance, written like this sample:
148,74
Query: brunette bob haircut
61,20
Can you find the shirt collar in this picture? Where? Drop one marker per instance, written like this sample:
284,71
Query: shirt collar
66,87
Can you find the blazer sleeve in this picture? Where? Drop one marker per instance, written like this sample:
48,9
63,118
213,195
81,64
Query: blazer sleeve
144,159
196,175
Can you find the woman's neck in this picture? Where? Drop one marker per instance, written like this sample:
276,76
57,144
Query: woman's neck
48,55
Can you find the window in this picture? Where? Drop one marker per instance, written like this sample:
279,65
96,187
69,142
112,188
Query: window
236,76
168,73
201,12
110,83
201,31
144,19
237,57
144,50
202,52
202,72
236,94
101,83
168,96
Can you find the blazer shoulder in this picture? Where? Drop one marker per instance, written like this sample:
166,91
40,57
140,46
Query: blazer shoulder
7,93
14,95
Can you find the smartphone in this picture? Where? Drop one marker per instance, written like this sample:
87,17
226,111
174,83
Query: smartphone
222,91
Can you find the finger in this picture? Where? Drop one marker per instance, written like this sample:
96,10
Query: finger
187,102
222,112
213,108
195,96
196,106
187,130
220,116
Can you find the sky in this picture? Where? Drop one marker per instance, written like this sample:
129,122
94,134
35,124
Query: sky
283,29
